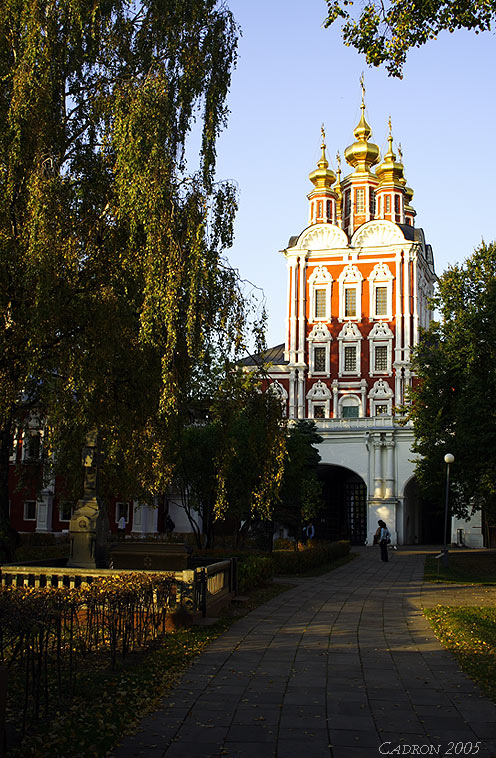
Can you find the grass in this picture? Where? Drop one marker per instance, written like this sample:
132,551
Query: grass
108,703
465,568
470,634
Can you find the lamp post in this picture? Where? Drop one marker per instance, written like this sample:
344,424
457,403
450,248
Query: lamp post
448,458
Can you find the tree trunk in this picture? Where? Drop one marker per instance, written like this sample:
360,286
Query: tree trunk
9,538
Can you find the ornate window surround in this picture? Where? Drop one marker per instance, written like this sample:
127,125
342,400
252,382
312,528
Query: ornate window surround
345,399
381,276
349,336
319,395
381,394
320,278
320,336
350,277
380,336
279,391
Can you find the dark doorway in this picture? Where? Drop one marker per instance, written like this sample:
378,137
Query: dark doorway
423,520
344,515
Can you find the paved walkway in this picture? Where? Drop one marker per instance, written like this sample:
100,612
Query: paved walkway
342,666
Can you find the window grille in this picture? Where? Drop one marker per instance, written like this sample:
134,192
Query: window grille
381,358
319,359
320,303
381,301
350,360
350,301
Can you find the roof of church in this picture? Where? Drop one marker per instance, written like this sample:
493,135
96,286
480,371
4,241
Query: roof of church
273,355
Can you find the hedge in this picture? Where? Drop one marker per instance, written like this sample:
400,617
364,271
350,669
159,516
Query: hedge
298,561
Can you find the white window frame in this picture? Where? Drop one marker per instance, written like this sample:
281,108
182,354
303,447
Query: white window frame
25,513
27,435
343,401
320,279
319,395
320,336
350,278
380,336
350,337
125,506
65,502
280,392
381,276
381,394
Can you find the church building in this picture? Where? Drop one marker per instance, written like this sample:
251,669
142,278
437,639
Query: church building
359,279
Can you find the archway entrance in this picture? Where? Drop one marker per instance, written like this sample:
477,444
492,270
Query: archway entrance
423,520
344,515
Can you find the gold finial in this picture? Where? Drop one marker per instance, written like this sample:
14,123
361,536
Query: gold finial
400,153
338,159
322,131
390,127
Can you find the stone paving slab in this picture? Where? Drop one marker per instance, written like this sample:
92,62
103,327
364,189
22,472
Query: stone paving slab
341,666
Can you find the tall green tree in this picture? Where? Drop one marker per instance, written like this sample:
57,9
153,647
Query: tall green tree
453,402
385,31
230,465
301,492
111,271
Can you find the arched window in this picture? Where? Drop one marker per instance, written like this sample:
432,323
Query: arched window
350,293
381,292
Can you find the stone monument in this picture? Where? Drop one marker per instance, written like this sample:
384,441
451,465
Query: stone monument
88,527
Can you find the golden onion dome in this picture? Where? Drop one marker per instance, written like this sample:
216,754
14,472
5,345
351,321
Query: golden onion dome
362,154
322,177
390,171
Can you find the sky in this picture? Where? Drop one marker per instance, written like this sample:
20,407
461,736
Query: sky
293,75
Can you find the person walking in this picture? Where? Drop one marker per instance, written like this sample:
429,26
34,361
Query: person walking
384,538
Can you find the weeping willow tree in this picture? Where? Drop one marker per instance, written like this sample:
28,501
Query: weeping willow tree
112,277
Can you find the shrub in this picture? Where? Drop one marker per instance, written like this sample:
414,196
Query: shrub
296,562
254,571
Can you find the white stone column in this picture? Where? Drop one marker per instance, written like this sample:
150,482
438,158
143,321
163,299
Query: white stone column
44,511
335,400
292,394
301,394
390,477
363,404
376,441
302,308
293,311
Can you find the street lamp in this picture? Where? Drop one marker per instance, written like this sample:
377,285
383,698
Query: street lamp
448,458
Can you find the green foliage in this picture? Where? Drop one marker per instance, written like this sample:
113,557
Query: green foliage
465,568
46,632
254,571
470,634
231,466
297,562
385,32
112,277
300,495
452,405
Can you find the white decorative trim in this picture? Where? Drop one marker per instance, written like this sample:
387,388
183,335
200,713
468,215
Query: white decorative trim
350,400
320,278
350,278
381,394
320,336
322,237
349,336
319,395
380,336
381,276
278,390
377,233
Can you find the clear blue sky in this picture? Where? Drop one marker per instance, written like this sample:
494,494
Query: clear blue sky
292,75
